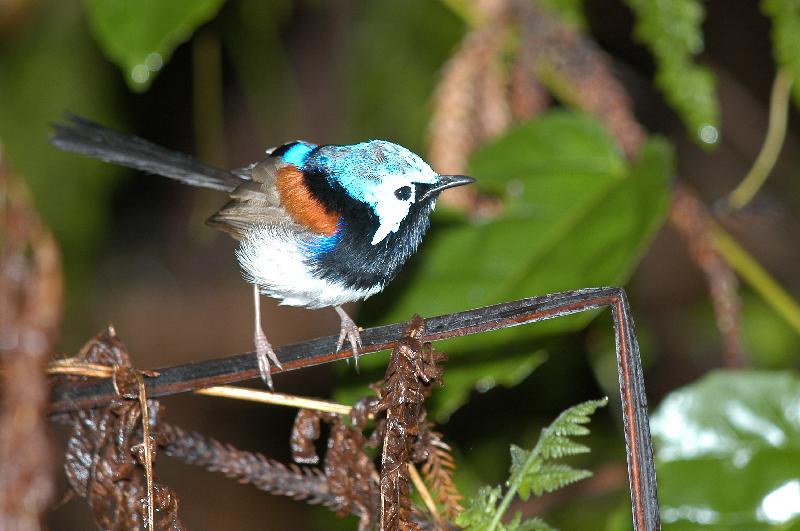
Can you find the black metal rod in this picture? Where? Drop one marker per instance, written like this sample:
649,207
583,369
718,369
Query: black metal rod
72,395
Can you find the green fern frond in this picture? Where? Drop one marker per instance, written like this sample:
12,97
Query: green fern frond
479,510
530,524
561,447
532,471
553,476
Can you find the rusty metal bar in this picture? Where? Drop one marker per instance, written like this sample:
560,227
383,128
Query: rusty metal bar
68,396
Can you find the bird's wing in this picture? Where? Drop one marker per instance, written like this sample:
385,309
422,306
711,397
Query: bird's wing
254,203
239,216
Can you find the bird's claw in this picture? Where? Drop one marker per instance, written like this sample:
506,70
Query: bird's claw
350,331
265,354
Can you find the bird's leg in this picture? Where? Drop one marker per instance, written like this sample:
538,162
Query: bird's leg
349,330
264,352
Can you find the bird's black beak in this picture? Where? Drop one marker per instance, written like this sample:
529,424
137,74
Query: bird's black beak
444,182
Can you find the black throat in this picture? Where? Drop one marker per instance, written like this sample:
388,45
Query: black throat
354,261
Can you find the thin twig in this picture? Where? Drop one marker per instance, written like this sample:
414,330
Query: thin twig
79,368
773,142
95,370
147,451
756,276
279,399
424,493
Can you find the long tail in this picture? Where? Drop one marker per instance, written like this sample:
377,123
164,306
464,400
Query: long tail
80,135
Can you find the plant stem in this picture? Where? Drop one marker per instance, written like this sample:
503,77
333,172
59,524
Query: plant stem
514,482
755,275
776,133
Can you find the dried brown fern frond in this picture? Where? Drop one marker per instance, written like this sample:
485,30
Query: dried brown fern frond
352,476
300,483
438,472
413,369
105,452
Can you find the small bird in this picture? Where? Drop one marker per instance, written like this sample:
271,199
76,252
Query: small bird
317,225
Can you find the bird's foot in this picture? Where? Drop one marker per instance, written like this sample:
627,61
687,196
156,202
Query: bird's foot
265,354
350,331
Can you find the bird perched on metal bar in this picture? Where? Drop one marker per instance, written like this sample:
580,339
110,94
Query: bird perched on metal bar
317,225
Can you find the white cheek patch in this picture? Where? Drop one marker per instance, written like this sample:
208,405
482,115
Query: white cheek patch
390,211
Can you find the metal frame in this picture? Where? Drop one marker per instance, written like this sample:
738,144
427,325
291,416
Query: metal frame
68,396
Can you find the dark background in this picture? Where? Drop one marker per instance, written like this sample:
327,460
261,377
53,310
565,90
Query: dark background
137,254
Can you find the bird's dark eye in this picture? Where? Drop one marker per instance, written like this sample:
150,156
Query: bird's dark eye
403,193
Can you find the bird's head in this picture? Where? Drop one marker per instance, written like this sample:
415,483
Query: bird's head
387,178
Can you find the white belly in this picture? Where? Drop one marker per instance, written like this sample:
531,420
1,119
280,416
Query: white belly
271,258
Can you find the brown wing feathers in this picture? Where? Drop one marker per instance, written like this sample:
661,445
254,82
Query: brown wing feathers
275,195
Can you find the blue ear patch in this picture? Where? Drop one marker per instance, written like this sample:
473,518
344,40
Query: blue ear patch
296,154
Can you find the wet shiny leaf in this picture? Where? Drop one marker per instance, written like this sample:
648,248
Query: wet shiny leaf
728,449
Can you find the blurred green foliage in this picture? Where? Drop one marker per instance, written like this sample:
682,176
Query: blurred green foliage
140,36
728,452
252,37
48,67
391,69
673,33
785,15
569,10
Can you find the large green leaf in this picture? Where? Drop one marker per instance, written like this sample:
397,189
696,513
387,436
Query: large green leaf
577,214
728,450
140,36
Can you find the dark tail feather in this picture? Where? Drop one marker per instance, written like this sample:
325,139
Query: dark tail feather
82,136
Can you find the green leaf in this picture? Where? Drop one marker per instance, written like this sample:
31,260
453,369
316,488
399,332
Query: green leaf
577,214
785,15
140,36
728,452
673,33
